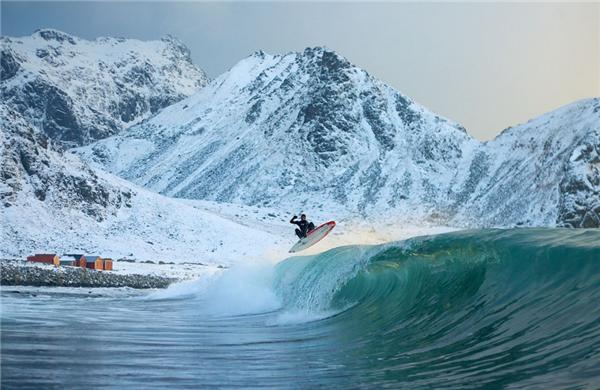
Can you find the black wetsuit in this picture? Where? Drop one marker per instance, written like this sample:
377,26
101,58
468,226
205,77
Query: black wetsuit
304,227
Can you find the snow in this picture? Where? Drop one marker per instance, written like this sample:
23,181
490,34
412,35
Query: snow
154,228
157,228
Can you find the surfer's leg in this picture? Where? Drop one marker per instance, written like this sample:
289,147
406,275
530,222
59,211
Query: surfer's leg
299,233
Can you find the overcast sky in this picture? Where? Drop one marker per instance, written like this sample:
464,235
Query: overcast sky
485,65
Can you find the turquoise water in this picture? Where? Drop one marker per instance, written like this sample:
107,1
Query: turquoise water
497,308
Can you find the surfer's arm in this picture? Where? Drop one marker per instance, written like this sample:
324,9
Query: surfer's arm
293,220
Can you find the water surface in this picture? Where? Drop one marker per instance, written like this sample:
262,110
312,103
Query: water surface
510,308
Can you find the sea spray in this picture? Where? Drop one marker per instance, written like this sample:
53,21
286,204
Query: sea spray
243,289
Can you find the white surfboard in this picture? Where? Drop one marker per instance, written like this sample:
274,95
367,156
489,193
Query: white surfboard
313,237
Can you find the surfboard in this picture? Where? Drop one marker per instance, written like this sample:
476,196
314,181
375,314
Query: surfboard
313,237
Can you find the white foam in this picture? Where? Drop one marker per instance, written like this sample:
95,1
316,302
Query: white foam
244,289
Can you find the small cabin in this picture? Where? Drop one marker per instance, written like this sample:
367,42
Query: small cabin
64,262
72,260
108,264
45,258
94,262
78,260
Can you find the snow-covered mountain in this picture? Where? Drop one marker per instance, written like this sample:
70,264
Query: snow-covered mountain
544,172
312,131
302,130
52,201
78,91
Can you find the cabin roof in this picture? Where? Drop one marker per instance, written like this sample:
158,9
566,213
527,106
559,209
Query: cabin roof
42,256
71,257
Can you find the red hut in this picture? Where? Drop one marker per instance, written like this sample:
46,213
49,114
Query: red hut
93,262
108,264
45,258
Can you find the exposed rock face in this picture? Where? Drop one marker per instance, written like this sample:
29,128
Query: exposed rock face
579,204
78,91
32,165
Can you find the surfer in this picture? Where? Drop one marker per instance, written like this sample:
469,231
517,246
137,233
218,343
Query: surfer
303,225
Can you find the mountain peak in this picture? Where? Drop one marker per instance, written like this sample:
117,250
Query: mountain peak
315,53
583,104
333,119
50,34
318,50
119,81
177,45
259,54
325,55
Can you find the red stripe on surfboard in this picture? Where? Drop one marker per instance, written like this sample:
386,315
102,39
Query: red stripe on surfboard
331,223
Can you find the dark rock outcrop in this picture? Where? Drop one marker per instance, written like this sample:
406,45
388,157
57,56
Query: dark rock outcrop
31,162
579,204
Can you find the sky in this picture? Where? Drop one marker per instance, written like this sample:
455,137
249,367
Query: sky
487,65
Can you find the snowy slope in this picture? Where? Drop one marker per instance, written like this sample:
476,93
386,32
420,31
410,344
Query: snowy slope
302,130
543,172
78,91
56,203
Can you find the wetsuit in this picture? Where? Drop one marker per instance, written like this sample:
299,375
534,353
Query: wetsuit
304,227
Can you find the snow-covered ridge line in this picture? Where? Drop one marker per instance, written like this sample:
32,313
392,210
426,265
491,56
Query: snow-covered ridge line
78,91
311,130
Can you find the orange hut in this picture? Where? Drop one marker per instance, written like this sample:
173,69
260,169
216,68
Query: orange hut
94,262
108,264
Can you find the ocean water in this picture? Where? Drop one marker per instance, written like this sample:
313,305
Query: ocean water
517,308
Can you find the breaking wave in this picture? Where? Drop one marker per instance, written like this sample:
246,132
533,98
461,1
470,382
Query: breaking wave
487,307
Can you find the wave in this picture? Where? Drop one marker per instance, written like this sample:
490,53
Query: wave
523,301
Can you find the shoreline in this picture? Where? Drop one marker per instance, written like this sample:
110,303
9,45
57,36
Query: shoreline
18,273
